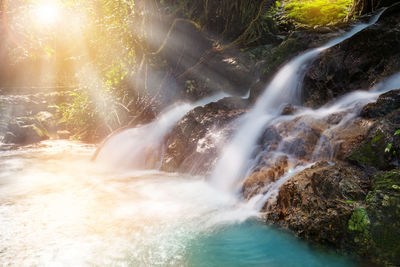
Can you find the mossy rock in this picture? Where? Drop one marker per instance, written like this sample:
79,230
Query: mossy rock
376,227
371,152
359,227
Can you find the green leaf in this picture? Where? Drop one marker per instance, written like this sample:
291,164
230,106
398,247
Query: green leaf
388,148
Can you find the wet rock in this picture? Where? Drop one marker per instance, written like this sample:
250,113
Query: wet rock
289,110
274,56
379,232
193,143
380,147
339,141
24,134
355,64
302,142
340,206
371,152
318,202
260,178
385,104
26,119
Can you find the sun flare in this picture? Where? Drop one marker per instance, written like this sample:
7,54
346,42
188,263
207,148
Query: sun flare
47,13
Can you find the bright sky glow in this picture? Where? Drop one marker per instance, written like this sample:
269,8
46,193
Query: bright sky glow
47,13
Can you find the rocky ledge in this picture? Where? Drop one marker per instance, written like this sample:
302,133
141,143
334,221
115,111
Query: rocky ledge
27,119
357,63
194,143
352,201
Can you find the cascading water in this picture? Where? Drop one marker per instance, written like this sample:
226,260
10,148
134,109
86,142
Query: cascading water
349,104
285,88
141,147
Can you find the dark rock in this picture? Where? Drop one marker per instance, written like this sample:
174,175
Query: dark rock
380,233
339,206
302,143
193,143
288,110
380,147
24,134
318,202
274,56
356,63
385,104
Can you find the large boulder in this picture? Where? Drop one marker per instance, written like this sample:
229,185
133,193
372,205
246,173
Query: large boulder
318,202
385,104
22,133
381,230
299,140
339,206
380,148
356,63
195,140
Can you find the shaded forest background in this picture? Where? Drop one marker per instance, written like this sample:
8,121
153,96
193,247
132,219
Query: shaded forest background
120,62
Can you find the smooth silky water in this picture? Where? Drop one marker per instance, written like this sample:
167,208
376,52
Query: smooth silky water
59,209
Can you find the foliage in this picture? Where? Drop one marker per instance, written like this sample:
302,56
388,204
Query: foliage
389,146
241,22
317,12
96,45
78,113
383,211
359,221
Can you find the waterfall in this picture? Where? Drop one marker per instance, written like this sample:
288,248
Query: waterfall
391,83
284,88
350,103
141,147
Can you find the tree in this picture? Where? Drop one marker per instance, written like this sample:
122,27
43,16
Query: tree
361,7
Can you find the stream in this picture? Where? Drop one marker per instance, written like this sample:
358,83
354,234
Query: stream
59,209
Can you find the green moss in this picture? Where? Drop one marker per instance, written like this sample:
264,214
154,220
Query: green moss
359,220
317,12
377,138
371,152
384,214
388,181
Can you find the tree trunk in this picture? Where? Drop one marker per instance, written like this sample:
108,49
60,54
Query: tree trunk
361,7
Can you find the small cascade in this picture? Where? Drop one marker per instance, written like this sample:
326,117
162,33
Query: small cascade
141,147
346,108
285,88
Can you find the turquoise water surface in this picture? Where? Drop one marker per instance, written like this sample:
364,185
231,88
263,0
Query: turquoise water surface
253,243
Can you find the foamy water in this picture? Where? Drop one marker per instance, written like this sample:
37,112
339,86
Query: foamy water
59,209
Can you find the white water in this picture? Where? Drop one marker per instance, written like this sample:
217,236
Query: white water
272,190
284,88
58,209
350,103
393,82
141,147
